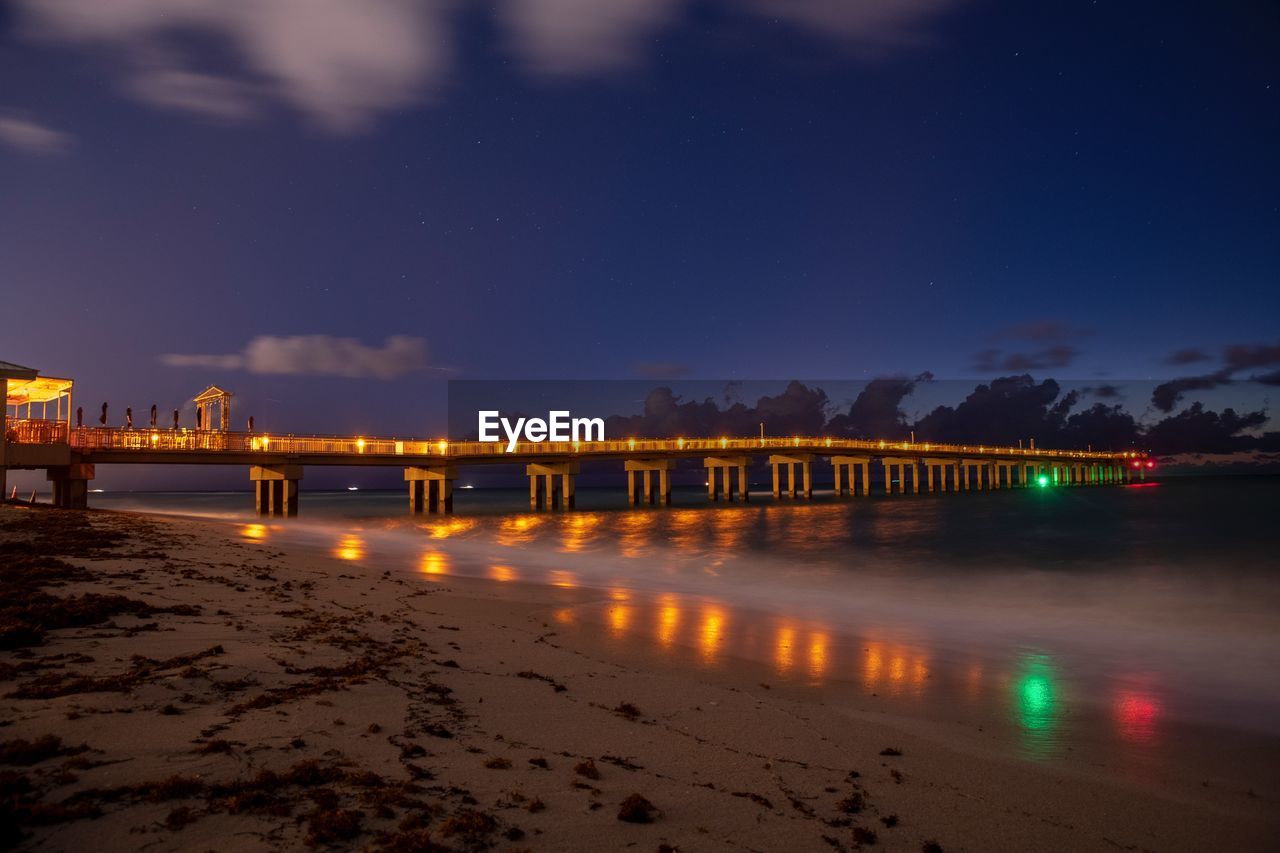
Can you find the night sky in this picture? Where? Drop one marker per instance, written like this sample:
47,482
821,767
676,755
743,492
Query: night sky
635,188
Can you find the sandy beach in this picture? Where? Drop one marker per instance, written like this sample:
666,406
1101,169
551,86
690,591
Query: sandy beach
169,685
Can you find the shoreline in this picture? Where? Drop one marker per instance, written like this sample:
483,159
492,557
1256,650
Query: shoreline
308,640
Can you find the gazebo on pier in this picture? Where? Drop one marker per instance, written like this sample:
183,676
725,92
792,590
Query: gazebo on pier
205,402
23,388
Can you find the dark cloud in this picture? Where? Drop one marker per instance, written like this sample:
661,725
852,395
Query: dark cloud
1197,430
1245,356
798,410
994,361
1102,427
1190,355
1103,392
661,370
1167,395
1236,358
877,411
1008,410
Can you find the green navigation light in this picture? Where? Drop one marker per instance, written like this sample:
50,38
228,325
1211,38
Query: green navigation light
1043,481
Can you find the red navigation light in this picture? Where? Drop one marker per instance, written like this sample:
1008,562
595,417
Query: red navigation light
1137,464
1150,464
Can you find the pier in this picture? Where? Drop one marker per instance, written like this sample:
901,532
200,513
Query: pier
70,455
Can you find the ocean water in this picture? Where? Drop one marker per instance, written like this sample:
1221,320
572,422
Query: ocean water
1135,611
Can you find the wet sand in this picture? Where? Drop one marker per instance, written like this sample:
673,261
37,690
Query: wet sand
245,695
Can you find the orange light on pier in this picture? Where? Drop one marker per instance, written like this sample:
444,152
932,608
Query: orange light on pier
155,438
680,443
359,445
443,447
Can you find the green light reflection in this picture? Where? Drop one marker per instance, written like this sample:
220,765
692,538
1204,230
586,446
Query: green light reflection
1037,706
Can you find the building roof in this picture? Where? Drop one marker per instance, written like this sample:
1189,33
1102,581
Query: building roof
213,392
9,370
40,389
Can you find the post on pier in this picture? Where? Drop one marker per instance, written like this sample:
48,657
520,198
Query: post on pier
791,460
551,484
901,466
71,485
720,476
430,489
276,489
647,468
942,465
849,464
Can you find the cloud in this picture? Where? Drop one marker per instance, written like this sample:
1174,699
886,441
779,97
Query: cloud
1236,358
340,63
1190,355
32,137
869,27
316,355
208,94
1005,411
996,361
661,370
1245,356
798,410
1104,392
1167,395
877,410
569,37
344,63
1196,430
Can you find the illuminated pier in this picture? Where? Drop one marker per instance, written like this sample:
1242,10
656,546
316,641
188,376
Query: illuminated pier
69,453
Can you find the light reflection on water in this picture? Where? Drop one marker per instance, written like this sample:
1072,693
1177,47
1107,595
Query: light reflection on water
1037,697
885,596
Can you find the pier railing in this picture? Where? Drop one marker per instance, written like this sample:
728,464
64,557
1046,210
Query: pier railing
215,441
35,431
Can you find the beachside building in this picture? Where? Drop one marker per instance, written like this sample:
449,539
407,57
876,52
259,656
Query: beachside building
35,426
